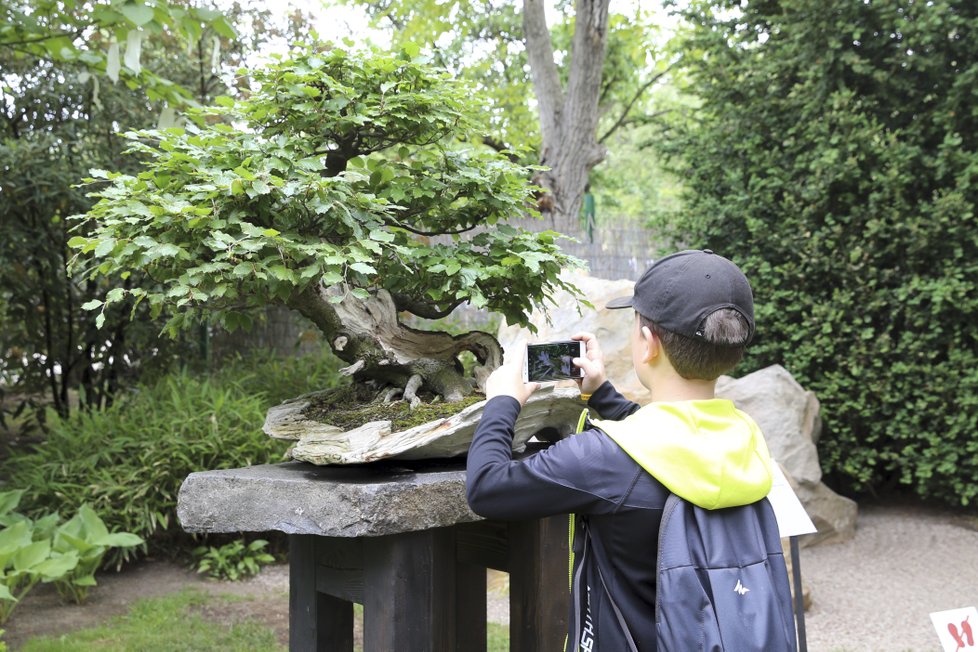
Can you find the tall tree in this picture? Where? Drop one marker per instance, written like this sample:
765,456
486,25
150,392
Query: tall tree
835,156
561,90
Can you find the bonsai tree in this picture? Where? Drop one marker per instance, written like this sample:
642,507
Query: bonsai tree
348,186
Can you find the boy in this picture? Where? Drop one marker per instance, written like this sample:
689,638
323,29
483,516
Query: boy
694,316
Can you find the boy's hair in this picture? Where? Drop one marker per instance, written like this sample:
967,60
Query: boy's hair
718,350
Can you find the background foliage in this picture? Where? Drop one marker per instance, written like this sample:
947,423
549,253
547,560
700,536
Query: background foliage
61,115
129,460
835,155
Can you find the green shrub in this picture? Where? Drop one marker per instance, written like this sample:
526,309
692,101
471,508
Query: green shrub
232,561
835,157
44,551
129,461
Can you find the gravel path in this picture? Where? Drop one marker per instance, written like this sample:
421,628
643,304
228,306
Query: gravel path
876,591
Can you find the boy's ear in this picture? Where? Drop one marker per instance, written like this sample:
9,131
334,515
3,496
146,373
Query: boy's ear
651,343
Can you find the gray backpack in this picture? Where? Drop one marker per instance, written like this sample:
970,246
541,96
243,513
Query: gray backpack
722,581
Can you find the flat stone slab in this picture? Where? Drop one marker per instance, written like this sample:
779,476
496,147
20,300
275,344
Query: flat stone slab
336,501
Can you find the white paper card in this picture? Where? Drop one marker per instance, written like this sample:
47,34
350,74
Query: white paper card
788,510
957,629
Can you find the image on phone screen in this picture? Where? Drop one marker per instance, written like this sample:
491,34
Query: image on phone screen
552,361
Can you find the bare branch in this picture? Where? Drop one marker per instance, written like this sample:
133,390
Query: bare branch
429,234
423,309
638,94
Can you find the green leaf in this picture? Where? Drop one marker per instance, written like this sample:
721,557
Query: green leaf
9,500
115,294
13,538
104,247
381,235
94,527
138,14
87,580
282,273
120,540
56,567
363,268
31,555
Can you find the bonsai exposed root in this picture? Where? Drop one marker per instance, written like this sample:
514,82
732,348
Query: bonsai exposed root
411,390
353,368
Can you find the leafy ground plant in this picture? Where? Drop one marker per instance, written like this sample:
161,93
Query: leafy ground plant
44,551
86,537
233,561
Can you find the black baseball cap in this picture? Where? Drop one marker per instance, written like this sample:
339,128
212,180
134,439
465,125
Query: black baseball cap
680,291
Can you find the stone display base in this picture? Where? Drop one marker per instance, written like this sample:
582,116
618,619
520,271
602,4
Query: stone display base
398,539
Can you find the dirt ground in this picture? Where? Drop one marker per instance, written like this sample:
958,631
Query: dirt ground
42,612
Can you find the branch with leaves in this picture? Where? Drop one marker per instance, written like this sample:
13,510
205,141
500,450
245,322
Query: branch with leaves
238,208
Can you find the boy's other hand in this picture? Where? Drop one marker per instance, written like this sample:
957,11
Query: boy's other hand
592,363
507,380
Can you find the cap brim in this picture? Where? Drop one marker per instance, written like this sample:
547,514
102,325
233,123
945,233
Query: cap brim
620,302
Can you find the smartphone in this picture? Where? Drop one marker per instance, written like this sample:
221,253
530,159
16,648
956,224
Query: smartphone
552,361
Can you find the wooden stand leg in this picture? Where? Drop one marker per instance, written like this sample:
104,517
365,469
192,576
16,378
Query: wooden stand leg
409,591
538,584
470,590
317,622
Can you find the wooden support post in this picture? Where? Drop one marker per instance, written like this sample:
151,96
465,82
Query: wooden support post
317,622
470,591
409,590
538,588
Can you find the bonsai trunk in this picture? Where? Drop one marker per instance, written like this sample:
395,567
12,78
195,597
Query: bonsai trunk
369,337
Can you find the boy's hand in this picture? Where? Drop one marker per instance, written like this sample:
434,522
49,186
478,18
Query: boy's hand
507,380
592,363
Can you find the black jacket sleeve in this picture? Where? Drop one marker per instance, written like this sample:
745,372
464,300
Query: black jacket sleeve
558,480
611,405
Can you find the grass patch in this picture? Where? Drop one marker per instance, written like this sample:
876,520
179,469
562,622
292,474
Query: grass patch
171,623
497,637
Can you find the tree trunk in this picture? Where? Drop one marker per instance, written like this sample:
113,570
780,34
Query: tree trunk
367,334
568,120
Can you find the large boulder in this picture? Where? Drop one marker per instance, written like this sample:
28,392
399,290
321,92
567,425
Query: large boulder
789,417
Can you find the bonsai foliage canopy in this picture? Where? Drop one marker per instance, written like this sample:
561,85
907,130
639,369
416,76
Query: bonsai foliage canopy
346,185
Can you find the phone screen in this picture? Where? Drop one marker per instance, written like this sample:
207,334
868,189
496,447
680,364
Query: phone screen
552,361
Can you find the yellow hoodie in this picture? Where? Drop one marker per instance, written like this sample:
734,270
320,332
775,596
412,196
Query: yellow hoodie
707,452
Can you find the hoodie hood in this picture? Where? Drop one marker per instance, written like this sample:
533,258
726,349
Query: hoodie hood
706,452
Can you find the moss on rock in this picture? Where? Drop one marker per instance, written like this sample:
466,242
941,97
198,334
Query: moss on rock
354,405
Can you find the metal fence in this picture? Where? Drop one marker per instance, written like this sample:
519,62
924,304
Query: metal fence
618,248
